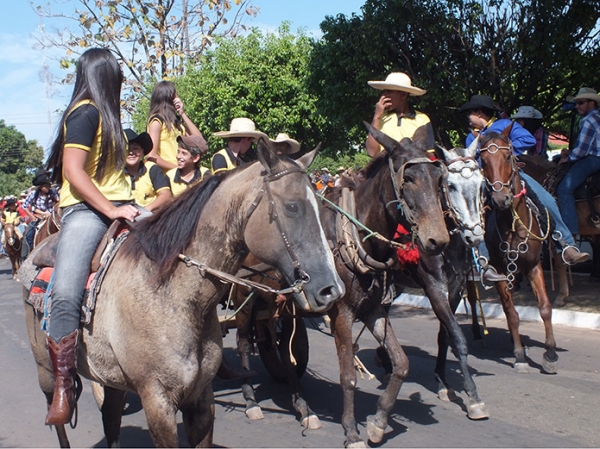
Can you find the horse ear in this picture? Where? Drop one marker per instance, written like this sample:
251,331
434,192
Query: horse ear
267,155
472,150
423,137
507,131
386,141
305,161
442,153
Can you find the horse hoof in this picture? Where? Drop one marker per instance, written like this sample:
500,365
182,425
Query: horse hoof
311,422
477,411
549,367
254,413
447,394
560,302
521,368
374,431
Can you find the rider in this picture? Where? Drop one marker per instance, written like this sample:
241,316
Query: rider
481,112
584,156
188,171
242,133
149,185
531,119
394,115
88,158
39,203
285,145
10,215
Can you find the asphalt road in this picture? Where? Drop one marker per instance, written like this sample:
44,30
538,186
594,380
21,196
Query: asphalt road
532,410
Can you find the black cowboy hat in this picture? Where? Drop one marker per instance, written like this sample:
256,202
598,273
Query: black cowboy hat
143,139
478,102
41,177
10,201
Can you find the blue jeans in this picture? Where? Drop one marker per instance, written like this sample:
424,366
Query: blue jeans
576,176
81,232
30,236
549,203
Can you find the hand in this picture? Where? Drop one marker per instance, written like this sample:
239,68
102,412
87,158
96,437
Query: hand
128,212
178,105
384,104
564,156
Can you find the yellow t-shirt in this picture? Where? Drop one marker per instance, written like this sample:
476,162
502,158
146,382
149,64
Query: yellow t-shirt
179,186
143,188
407,128
11,217
168,146
114,186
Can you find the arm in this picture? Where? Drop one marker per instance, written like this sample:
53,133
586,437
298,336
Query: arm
373,147
162,186
162,198
190,128
584,141
154,130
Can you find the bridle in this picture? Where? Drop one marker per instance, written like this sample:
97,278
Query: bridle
302,276
497,186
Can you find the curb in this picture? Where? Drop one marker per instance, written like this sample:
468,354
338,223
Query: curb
571,318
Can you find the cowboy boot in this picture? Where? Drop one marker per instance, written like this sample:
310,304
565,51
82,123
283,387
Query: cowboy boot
63,356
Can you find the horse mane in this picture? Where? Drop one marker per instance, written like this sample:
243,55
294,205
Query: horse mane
489,135
168,232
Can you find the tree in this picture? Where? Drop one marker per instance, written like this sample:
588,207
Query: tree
18,159
518,51
153,39
262,77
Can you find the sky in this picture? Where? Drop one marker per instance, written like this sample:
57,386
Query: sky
29,102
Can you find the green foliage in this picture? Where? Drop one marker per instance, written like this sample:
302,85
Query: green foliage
18,159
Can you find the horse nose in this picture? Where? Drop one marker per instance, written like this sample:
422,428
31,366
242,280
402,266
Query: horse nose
328,295
435,246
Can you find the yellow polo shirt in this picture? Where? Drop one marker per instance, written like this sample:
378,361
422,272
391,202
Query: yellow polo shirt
167,148
408,125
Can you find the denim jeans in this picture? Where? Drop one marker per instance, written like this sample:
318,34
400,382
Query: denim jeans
549,203
81,232
31,234
576,176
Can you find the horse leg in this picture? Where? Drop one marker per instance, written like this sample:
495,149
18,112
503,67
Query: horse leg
112,412
308,418
199,418
438,297
536,278
563,281
160,415
341,326
472,297
379,324
512,319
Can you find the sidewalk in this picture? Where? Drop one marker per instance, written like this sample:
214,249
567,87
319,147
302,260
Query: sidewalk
582,309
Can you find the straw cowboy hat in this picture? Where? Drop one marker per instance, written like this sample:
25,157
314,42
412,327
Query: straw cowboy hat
586,93
397,81
196,145
241,127
292,144
478,102
144,140
41,177
527,112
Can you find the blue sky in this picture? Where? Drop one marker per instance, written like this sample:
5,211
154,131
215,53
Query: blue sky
29,103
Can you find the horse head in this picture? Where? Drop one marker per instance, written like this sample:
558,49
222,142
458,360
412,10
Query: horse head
11,235
416,184
284,230
465,183
500,167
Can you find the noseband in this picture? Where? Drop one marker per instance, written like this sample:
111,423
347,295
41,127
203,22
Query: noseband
497,186
302,276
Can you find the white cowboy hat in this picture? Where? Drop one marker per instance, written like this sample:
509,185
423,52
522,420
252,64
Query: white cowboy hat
397,81
241,127
586,93
527,112
293,145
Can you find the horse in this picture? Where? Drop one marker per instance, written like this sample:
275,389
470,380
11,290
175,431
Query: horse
155,329
516,227
402,175
13,247
48,226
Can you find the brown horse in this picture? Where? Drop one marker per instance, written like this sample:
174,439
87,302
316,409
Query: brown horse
13,247
401,185
48,226
516,227
155,329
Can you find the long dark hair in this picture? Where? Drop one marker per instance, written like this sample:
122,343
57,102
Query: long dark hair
161,104
98,78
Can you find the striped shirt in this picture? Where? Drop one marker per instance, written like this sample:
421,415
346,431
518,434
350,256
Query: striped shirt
43,203
588,141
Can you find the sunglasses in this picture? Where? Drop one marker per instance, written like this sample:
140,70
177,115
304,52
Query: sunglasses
580,102
238,139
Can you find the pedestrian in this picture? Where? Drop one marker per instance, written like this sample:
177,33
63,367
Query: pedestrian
394,115
87,158
167,120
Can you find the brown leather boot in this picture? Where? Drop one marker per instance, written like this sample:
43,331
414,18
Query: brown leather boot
63,356
571,256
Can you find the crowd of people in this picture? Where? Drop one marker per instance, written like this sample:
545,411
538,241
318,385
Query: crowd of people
105,172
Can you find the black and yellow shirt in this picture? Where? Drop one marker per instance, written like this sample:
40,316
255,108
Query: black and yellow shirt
178,185
83,129
147,183
224,160
10,217
167,148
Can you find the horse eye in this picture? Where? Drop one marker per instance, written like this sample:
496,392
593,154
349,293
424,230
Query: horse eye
292,209
408,180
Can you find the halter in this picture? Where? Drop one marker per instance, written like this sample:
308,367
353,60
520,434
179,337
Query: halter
466,171
304,278
493,148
